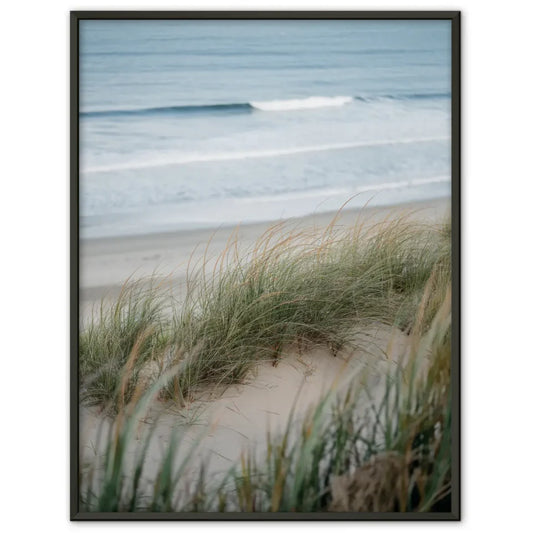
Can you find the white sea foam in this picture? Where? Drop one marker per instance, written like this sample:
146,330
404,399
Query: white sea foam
402,184
426,181
341,192
295,195
188,158
302,103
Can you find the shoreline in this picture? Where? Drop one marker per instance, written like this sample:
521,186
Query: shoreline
107,262
414,204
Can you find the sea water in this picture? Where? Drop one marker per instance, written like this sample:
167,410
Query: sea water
187,124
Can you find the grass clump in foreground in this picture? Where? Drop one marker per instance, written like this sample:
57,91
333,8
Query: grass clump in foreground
366,451
387,449
123,338
292,288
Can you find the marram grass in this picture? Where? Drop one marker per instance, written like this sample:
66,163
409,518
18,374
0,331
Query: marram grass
381,450
385,449
293,288
122,339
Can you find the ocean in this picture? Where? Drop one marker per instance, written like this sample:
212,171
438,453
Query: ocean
190,124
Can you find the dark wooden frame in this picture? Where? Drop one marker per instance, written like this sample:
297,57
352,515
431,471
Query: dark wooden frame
455,18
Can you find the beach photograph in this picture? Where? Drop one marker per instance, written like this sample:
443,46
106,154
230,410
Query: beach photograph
264,231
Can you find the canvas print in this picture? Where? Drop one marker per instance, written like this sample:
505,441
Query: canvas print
265,268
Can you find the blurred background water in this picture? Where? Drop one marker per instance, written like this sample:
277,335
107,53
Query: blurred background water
188,124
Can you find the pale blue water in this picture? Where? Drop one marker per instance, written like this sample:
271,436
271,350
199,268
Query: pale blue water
201,123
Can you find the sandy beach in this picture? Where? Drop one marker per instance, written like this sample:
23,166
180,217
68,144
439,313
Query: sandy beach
106,263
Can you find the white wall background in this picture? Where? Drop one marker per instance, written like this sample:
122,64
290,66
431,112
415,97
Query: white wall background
497,264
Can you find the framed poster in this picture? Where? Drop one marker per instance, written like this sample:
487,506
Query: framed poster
265,291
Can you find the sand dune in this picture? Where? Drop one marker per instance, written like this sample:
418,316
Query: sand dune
219,424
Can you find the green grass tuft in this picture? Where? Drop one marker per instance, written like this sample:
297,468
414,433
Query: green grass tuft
123,337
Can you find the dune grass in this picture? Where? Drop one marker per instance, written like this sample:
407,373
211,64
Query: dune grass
365,451
294,288
136,323
384,449
387,452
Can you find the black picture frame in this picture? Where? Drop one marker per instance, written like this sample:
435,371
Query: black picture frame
455,18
